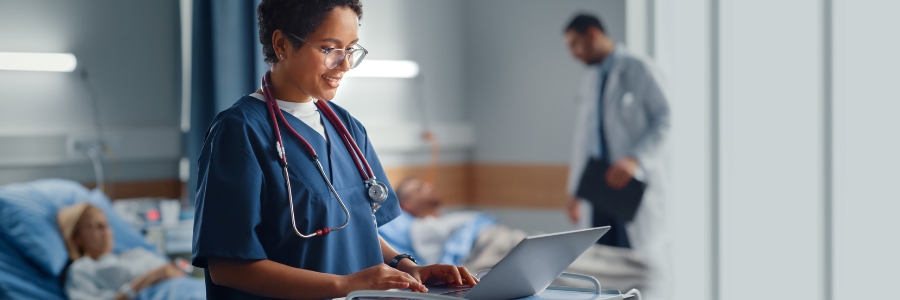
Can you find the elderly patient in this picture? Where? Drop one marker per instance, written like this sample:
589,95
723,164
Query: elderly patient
477,241
96,272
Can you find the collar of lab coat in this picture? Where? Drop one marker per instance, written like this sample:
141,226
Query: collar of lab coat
607,62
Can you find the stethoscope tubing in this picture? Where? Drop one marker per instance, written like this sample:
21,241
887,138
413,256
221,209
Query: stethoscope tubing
362,165
272,107
360,160
325,230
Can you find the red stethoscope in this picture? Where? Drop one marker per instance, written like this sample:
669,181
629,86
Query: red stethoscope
377,191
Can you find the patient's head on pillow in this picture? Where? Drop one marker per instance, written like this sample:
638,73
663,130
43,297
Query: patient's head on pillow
85,231
418,198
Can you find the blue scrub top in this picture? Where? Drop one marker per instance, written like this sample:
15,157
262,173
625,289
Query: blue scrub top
242,209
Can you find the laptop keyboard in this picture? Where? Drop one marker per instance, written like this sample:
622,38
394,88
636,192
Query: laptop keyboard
456,293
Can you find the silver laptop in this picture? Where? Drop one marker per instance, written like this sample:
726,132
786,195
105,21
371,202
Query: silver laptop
530,267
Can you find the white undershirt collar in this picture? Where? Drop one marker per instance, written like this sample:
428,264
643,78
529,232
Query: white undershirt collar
305,111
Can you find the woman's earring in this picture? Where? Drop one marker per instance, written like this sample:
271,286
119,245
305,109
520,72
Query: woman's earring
281,57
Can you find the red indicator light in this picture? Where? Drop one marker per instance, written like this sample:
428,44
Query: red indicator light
153,215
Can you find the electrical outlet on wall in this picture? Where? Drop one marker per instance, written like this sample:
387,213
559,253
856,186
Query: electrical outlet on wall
126,144
79,146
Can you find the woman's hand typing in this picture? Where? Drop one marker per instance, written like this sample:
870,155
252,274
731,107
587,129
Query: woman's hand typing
442,273
380,277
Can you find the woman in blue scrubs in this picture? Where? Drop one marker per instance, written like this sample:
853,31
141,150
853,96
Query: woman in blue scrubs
243,232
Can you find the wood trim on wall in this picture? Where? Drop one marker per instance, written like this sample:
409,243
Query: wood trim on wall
538,186
521,185
452,181
162,188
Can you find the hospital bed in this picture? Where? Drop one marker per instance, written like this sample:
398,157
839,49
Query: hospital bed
32,253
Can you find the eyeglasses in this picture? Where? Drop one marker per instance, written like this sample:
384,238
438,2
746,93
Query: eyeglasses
334,57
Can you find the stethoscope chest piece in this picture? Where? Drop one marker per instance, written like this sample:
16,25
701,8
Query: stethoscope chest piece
378,191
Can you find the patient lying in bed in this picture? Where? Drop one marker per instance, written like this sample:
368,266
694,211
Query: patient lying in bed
477,241
96,272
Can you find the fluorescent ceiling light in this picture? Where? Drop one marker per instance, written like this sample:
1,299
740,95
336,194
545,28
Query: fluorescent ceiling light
50,62
385,69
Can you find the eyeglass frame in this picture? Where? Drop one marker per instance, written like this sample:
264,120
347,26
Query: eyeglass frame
327,51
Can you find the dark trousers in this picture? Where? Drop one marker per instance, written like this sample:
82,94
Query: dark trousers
616,236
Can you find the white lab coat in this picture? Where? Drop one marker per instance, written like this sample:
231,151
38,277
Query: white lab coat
636,121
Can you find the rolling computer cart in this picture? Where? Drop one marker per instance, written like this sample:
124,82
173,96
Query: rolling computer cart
551,293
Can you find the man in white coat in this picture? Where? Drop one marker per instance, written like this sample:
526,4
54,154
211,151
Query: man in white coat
623,118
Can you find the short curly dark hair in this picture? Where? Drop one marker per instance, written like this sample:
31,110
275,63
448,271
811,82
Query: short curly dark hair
299,17
582,22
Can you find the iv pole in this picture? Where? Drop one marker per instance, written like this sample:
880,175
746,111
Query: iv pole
427,134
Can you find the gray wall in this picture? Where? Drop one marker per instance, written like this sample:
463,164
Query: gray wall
432,34
684,54
520,78
784,158
131,50
865,107
428,32
496,70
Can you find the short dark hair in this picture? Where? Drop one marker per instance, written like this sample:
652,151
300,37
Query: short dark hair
581,22
296,17
401,188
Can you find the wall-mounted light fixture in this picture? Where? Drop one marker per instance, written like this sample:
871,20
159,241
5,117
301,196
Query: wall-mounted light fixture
49,62
385,69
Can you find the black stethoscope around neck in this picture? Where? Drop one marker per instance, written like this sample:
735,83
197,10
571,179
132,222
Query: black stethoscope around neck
377,191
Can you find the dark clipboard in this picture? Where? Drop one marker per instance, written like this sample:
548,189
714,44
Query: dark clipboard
620,205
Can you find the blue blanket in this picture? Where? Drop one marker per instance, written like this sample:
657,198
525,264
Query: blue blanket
454,249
